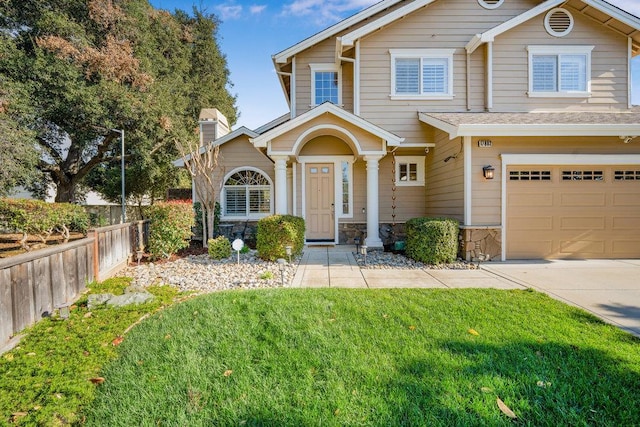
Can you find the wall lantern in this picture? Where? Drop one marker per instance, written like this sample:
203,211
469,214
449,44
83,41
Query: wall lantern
487,171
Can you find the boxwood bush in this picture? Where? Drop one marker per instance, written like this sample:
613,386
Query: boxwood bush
169,227
219,248
277,231
432,240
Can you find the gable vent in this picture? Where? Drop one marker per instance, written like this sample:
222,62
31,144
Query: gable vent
490,4
558,22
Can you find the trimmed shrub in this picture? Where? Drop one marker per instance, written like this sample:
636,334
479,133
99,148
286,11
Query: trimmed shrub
277,231
169,227
219,248
432,240
41,219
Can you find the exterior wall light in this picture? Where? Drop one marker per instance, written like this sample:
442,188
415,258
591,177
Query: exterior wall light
487,171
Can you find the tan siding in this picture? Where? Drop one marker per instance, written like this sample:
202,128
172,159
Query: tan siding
240,153
486,199
326,145
367,141
410,201
445,188
608,66
436,26
359,191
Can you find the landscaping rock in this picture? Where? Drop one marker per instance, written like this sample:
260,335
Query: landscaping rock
95,300
130,298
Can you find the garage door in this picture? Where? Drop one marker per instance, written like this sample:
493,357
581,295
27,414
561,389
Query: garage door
573,212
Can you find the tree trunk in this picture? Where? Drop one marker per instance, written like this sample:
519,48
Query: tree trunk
66,192
203,216
210,220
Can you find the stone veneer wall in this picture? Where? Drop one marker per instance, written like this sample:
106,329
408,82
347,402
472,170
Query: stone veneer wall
388,233
480,243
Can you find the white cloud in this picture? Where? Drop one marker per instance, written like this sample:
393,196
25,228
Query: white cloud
257,9
325,11
229,11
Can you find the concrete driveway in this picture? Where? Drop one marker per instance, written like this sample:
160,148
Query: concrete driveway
610,289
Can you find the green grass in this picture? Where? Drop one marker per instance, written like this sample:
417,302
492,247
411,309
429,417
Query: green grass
46,379
332,357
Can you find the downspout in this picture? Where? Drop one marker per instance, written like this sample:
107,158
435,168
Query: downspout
629,79
468,81
356,81
489,85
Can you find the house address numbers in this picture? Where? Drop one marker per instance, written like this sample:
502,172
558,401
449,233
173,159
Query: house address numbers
484,143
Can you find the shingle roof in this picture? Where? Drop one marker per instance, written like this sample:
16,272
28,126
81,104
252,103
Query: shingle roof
575,123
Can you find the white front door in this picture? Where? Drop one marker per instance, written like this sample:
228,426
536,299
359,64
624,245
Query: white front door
320,203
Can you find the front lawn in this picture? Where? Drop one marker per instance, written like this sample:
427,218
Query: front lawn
302,357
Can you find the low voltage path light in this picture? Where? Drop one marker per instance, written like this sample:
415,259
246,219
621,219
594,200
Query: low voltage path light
363,251
237,246
281,266
289,250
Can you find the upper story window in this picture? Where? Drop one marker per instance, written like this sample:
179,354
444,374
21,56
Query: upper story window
409,170
422,73
559,71
326,84
247,194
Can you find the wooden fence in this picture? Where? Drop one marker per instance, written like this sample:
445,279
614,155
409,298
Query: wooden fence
34,284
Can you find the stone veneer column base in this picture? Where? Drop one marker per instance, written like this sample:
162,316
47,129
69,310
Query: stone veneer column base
480,243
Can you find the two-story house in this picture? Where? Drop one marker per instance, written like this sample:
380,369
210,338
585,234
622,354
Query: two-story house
512,116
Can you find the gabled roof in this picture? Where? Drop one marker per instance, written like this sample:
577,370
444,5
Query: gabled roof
624,17
261,141
583,123
488,36
283,57
348,39
228,137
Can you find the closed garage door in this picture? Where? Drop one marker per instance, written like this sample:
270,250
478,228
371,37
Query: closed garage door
573,212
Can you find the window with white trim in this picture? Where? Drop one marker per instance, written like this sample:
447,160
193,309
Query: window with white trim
422,73
326,84
247,194
410,170
557,71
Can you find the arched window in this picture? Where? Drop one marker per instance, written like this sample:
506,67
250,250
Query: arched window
247,194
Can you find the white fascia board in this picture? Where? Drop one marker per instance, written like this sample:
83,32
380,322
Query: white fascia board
349,39
451,129
283,57
615,12
261,141
490,35
545,129
570,159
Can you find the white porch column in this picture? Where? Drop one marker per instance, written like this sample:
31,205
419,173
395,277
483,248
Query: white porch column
373,224
281,184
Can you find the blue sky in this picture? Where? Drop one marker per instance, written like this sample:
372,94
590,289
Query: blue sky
252,31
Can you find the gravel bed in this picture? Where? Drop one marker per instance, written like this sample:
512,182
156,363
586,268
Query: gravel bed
388,260
202,274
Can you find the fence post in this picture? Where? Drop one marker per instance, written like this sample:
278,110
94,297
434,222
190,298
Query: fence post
96,256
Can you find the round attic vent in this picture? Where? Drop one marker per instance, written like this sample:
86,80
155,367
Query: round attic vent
558,22
490,4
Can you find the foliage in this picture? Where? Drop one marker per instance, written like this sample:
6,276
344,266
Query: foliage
219,248
35,217
388,357
46,379
277,231
432,240
18,156
88,66
169,227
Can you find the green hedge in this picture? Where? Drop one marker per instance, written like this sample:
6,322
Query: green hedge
41,219
432,240
277,231
169,227
219,248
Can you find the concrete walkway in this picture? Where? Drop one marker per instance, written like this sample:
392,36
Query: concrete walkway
610,289
335,267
